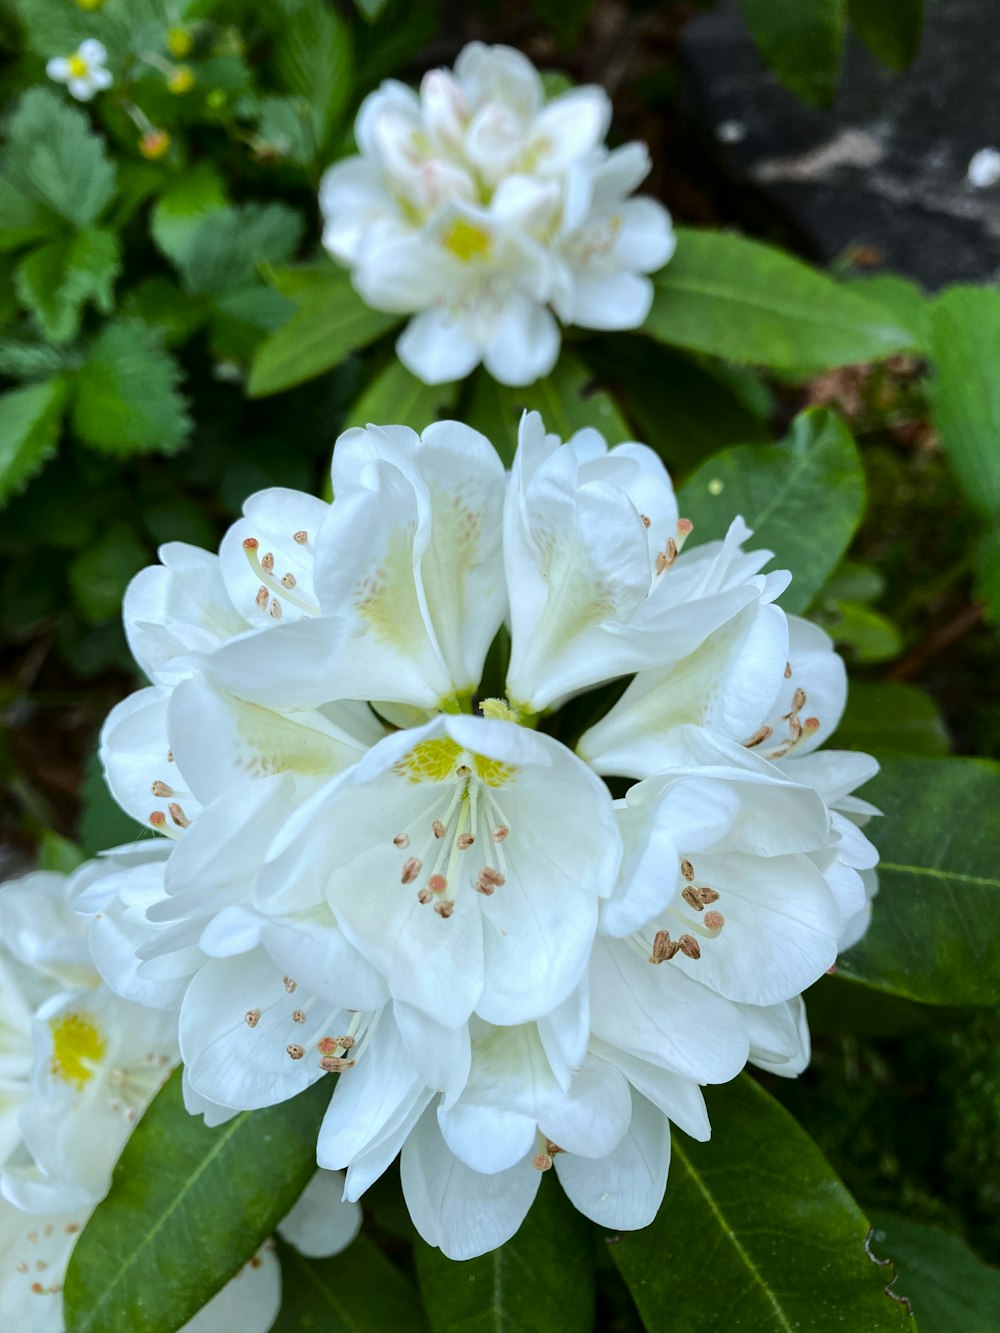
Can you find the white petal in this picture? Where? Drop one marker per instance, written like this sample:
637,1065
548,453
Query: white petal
58,69
437,346
610,300
779,1036
321,1223
248,1303
624,1190
368,1099
571,126
524,344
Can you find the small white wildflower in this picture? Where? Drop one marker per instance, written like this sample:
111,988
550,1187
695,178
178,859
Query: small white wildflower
83,72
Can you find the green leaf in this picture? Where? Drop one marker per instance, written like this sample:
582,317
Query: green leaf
182,209
358,1291
892,716
398,398
29,431
750,303
284,129
902,299
935,932
58,854
802,41
22,219
331,322
54,157
160,303
58,279
890,29
988,574
802,498
223,252
756,1232
965,390
315,59
401,30
127,398
188,1207
867,634
101,572
370,9
541,1281
951,1289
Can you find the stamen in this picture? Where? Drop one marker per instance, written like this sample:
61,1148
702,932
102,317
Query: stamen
788,671
760,735
490,876
664,947
445,908
707,895
439,829
542,1161
298,1015
424,896
333,1064
499,834
552,1148
252,1017
437,883
714,920
170,756
267,561
692,898
667,556
178,816
161,789
300,537
401,840
645,520
794,727
288,580
465,841
798,700
295,1051
689,946
327,1045
411,869
687,869
262,598
290,986
275,609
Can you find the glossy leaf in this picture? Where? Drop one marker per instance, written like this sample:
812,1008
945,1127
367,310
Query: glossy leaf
965,391
935,932
753,304
395,397
188,1207
756,1232
949,1286
802,498
331,322
892,716
802,41
890,29
29,429
541,1281
358,1291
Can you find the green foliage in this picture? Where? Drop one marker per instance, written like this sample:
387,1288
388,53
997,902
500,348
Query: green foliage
188,1207
54,159
29,428
100,572
541,1281
314,61
56,280
397,396
748,302
802,41
951,1289
782,1241
888,716
358,1291
889,28
802,499
935,936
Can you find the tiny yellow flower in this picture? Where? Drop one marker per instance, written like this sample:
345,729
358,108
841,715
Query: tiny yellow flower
182,80
179,42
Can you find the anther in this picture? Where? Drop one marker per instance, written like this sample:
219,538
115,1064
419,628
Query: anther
437,883
411,869
788,671
161,789
178,815
693,899
490,876
251,1017
295,1051
288,580
275,609
687,869
444,908
499,834
401,840
463,771
758,738
439,829
267,561
645,520
794,727
798,700
541,1161
552,1148
664,947
290,986
298,1015
689,946
333,1064
424,896
464,841
170,756
667,556
262,598
487,890
714,920
707,895
300,537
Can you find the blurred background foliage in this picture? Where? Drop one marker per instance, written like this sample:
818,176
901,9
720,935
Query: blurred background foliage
172,338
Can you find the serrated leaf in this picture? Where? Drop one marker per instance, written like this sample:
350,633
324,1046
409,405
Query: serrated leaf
101,571
315,60
891,716
541,1281
965,390
57,280
756,1232
54,157
397,397
23,219
935,932
127,399
181,210
188,1207
26,358
358,1291
753,304
331,322
803,499
29,430
949,1286
162,305
890,29
223,252
802,41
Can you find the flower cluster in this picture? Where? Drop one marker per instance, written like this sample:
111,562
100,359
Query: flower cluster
480,208
79,1066
381,862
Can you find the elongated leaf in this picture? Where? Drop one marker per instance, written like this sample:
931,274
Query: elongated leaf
756,1232
889,28
935,932
315,61
887,716
802,41
541,1281
397,398
951,1289
753,304
802,498
965,391
29,428
188,1207
358,1291
331,322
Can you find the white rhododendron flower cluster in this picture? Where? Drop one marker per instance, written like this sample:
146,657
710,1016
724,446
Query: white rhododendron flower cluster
388,856
486,212
78,1066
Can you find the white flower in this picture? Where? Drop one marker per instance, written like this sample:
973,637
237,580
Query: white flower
83,72
984,169
479,208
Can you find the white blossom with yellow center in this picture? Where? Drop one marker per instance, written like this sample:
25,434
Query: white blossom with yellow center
83,72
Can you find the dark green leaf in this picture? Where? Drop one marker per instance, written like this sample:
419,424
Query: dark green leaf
54,157
222,254
750,303
802,41
127,398
889,28
802,498
401,30
935,933
182,209
891,716
866,634
988,574
101,571
331,322
395,397
23,219
965,391
188,1207
358,1291
29,429
315,60
541,1281
370,9
58,279
951,1289
756,1232
161,304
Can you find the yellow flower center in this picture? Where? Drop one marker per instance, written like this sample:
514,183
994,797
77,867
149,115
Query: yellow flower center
466,241
437,759
78,67
77,1047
